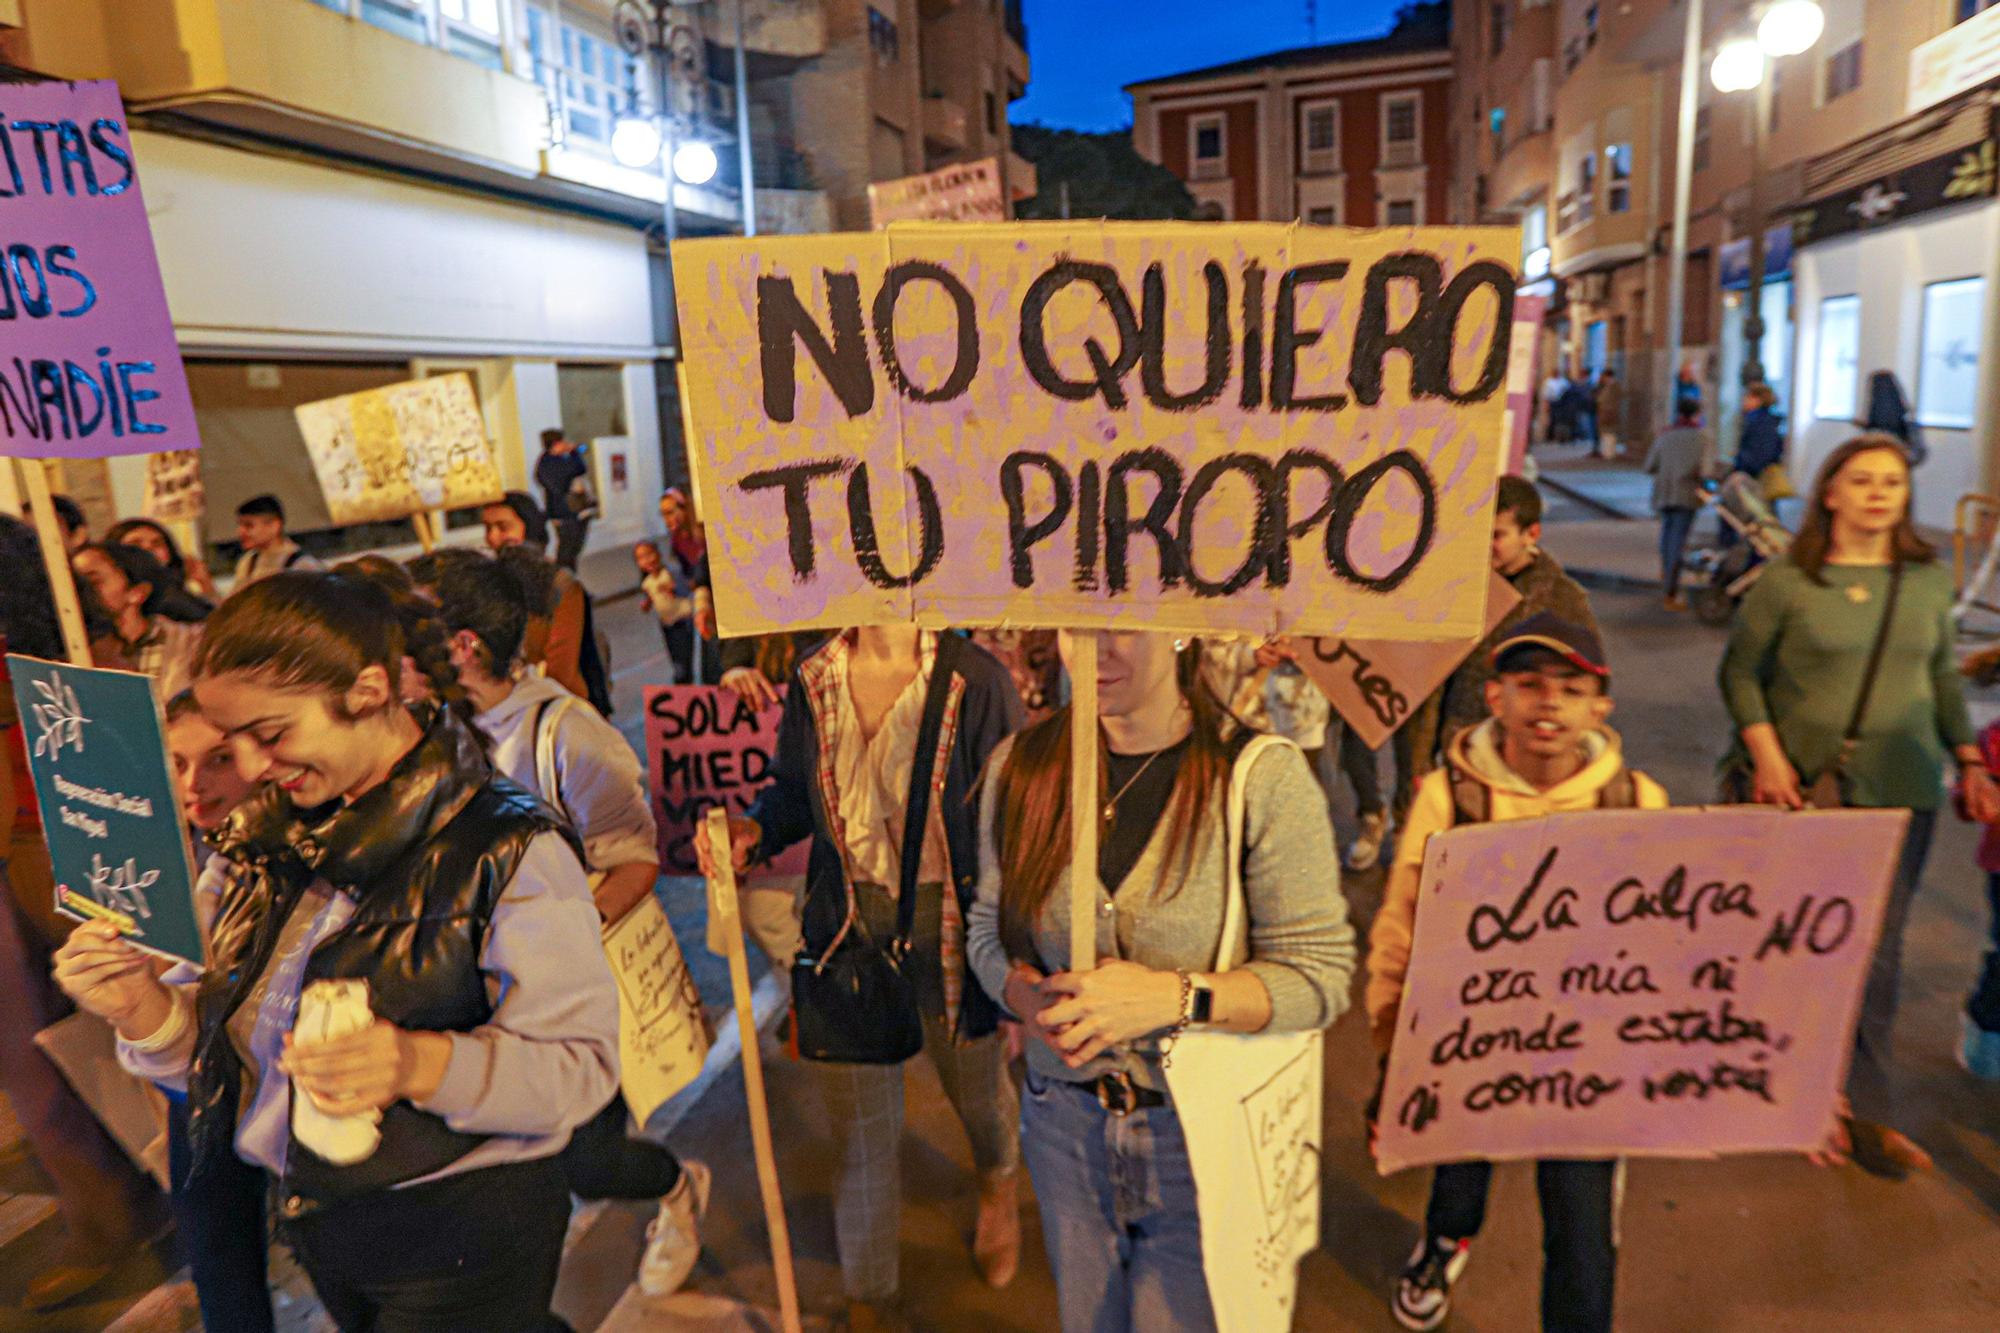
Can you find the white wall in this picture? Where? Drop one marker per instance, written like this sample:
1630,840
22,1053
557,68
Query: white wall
1888,269
265,252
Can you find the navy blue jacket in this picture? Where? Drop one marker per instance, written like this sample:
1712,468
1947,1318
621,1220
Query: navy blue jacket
1762,442
790,809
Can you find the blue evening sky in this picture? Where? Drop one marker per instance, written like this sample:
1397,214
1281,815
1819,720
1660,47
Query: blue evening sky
1083,52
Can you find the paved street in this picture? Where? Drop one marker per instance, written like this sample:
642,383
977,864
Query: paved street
1746,1244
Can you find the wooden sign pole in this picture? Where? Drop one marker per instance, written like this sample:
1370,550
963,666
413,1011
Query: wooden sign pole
1083,800
724,915
425,523
34,481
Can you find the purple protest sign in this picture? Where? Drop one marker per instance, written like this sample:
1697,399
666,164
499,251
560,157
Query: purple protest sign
1674,983
705,747
89,366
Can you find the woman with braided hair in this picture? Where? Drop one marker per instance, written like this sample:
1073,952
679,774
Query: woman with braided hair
387,875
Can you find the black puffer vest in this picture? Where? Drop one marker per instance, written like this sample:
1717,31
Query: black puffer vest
426,855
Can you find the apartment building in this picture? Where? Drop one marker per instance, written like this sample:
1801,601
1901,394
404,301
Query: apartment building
1877,199
1347,134
349,193
906,86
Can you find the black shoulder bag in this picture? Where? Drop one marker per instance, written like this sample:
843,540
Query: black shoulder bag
857,1005
1828,790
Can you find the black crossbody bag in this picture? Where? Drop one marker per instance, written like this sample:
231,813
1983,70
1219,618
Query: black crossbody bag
857,1005
1829,790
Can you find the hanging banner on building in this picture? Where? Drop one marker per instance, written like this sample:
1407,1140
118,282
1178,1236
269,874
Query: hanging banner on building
387,453
174,492
706,747
1675,983
968,192
662,1037
97,750
1375,684
1256,428
89,367
1961,57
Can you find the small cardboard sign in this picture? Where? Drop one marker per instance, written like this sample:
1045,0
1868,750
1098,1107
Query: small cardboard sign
662,1036
1672,983
1375,684
405,448
966,192
97,748
174,492
89,366
706,747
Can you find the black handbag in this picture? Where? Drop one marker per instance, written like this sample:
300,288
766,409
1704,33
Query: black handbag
857,1005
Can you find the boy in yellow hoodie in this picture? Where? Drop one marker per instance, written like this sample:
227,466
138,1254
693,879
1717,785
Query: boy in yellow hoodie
1545,750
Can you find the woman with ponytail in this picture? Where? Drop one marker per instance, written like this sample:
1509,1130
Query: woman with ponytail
1096,1113
561,749
405,1009
881,723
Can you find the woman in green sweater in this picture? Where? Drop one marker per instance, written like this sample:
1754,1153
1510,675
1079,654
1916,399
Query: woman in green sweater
1792,675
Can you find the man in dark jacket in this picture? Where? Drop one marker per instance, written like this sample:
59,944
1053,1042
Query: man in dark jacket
559,468
1519,558
1679,461
1762,441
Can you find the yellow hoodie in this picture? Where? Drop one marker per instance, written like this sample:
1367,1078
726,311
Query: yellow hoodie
1476,754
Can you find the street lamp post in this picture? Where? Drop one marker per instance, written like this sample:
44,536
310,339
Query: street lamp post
650,30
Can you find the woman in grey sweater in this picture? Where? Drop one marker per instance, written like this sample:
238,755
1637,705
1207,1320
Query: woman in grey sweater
1096,1115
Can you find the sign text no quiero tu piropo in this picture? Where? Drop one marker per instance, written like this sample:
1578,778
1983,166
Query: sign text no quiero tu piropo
1170,426
88,362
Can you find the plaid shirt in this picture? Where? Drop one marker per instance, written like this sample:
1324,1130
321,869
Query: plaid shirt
166,653
823,676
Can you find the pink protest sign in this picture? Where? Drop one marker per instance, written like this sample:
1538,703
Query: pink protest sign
1674,983
706,747
88,363
1375,684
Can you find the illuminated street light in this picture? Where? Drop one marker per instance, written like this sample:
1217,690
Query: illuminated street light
1789,27
635,141
1738,66
695,162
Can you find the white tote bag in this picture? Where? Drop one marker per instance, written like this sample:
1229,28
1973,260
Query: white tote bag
1250,1108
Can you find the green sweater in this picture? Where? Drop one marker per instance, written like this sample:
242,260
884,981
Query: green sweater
1795,660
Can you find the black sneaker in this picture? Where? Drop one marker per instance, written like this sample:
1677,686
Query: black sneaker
1423,1293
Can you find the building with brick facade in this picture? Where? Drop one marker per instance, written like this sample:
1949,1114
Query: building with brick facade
1348,134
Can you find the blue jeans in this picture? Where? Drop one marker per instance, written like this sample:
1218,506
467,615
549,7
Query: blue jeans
1675,523
1118,1212
223,1234
1984,1006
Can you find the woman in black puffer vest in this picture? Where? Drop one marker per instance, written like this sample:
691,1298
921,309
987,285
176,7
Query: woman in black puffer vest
383,849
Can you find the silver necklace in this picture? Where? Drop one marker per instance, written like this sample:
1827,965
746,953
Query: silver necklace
1111,806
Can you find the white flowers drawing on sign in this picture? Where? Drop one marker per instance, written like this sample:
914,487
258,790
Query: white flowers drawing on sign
60,717
122,888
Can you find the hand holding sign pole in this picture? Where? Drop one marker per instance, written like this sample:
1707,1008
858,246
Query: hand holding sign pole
725,916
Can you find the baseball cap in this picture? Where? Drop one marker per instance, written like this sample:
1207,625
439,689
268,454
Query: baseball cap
1545,630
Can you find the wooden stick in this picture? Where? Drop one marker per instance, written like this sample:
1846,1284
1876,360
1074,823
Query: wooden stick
12,502
69,611
1083,800
723,912
426,525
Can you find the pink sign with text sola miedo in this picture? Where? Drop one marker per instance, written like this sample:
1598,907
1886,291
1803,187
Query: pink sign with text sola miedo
89,366
1672,983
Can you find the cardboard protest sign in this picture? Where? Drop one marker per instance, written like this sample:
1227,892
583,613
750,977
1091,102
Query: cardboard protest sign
390,452
89,366
174,491
1248,428
967,192
1669,983
706,747
97,749
1374,684
662,1036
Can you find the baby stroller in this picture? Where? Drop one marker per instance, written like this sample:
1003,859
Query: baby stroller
1724,573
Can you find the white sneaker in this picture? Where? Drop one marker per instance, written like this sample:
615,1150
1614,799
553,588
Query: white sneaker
673,1239
1366,849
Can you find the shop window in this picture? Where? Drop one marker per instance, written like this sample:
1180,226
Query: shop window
469,28
1837,378
589,79
1843,71
1948,375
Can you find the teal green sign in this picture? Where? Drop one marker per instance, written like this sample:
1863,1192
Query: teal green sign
97,747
